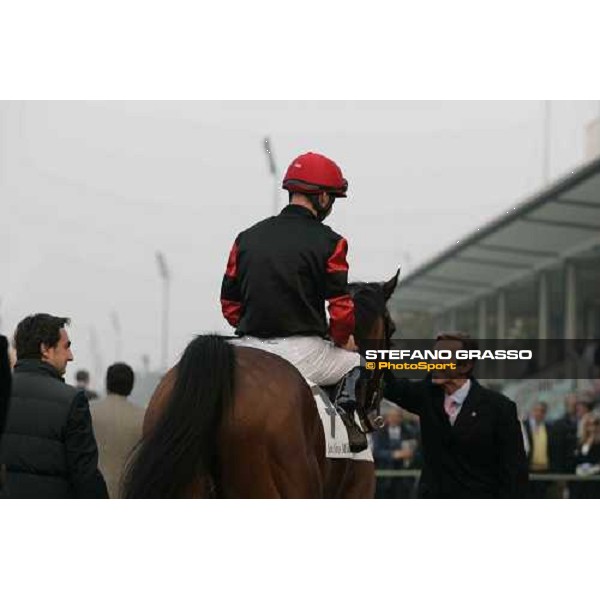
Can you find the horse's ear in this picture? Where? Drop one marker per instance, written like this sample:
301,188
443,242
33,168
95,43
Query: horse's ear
390,286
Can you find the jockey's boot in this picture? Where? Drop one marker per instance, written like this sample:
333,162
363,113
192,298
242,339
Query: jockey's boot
346,401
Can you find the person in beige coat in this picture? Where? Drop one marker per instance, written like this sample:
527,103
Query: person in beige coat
117,425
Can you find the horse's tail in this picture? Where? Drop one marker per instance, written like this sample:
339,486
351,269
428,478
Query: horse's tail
182,449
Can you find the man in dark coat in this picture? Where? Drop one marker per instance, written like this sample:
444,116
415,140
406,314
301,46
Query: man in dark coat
82,382
5,386
48,446
5,382
471,440
565,436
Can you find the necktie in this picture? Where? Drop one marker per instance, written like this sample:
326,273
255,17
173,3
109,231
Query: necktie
451,408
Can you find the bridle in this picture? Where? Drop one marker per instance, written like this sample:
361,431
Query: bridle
369,400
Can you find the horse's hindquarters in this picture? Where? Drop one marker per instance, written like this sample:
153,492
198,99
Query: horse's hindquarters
271,444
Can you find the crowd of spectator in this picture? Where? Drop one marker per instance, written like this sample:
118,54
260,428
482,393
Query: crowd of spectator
567,445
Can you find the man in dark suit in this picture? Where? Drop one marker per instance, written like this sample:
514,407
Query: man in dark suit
471,438
565,436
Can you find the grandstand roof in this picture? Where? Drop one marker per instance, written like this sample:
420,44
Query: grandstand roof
559,222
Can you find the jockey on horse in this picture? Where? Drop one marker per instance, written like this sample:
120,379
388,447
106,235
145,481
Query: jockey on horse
280,274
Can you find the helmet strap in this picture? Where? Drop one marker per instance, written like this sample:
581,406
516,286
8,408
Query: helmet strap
321,211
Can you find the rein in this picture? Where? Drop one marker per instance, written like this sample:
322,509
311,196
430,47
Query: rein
369,400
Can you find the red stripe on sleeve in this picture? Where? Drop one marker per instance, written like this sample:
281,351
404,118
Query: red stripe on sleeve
231,270
341,318
232,311
337,261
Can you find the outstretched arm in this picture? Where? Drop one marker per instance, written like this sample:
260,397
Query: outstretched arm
403,392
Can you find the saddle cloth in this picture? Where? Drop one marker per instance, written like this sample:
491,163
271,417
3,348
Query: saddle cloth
336,436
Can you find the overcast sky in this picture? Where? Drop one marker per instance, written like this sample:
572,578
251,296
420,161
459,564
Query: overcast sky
90,190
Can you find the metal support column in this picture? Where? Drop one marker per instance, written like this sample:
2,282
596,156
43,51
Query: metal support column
482,319
501,316
452,319
570,325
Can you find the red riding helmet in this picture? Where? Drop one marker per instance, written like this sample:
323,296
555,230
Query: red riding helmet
312,172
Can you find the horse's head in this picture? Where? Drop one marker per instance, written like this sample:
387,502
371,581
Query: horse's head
373,329
374,326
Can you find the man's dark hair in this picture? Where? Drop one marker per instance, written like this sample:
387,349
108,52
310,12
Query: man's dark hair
82,376
468,343
119,379
35,330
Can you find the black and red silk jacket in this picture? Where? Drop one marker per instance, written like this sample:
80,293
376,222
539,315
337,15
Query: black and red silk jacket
279,274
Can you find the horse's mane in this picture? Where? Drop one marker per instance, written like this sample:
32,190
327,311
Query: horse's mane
369,305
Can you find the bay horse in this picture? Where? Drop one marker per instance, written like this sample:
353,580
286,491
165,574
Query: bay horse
230,421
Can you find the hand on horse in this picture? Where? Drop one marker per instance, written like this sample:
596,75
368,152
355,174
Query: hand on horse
350,345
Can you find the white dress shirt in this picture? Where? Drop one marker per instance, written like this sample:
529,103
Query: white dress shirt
459,397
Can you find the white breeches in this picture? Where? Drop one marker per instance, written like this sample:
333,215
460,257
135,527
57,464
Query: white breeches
319,361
